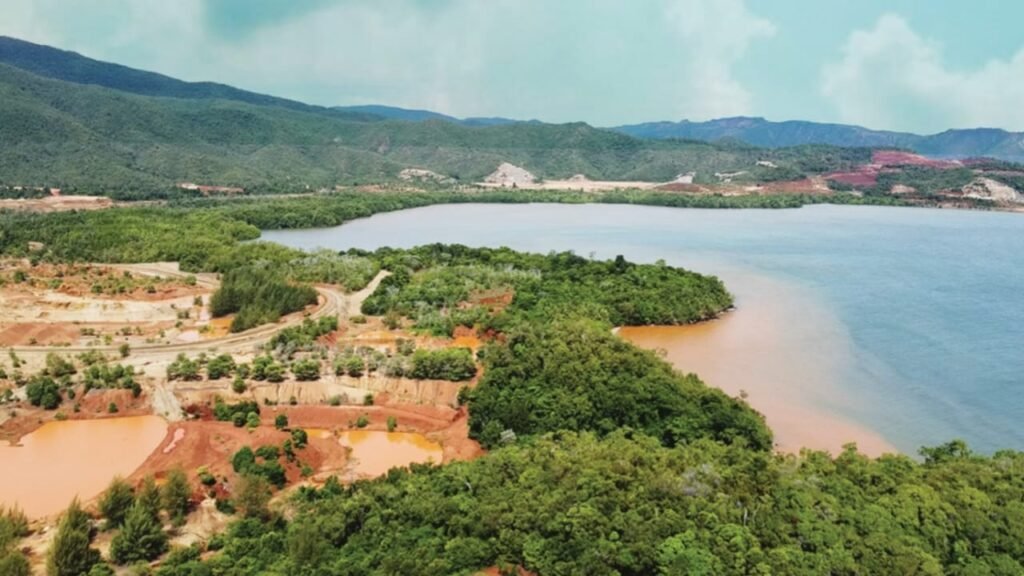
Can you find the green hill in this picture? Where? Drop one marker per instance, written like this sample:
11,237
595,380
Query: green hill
93,139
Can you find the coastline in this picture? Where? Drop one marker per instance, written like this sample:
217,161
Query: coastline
780,350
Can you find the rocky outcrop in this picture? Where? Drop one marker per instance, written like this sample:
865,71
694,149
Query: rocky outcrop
988,189
510,175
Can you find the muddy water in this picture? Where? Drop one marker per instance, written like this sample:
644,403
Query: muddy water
374,453
750,352
60,460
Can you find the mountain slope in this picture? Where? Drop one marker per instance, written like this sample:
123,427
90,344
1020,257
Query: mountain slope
59,64
411,115
94,139
760,132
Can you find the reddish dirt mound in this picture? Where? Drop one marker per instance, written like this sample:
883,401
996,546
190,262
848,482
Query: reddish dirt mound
92,406
863,177
898,158
41,333
805,186
196,444
680,187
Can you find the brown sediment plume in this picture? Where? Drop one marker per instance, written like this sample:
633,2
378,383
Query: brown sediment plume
782,351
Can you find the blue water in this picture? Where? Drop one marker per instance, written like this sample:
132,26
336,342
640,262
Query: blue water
929,299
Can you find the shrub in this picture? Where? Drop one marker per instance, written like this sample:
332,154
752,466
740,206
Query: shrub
306,370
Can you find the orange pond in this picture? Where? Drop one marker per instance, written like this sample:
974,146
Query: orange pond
783,350
60,460
374,453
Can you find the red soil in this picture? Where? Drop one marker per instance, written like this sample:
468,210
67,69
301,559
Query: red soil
92,406
898,158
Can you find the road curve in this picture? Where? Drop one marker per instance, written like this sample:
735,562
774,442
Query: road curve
335,303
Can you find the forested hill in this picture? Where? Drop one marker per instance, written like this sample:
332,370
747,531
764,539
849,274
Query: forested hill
85,137
60,64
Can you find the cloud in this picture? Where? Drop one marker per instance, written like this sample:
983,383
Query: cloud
603,61
716,36
891,77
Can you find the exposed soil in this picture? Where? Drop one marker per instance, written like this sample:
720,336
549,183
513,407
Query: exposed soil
58,203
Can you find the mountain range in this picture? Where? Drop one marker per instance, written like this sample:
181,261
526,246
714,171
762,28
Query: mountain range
970,143
951,144
79,124
72,122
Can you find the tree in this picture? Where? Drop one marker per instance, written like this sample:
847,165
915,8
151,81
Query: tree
116,502
354,366
43,391
252,496
149,496
177,495
220,366
141,538
281,421
306,370
243,460
71,554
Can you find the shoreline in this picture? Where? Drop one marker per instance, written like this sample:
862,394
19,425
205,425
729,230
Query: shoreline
782,353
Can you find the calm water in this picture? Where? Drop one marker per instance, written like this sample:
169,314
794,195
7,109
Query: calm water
374,453
61,460
908,319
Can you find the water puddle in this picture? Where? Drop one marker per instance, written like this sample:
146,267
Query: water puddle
374,453
60,460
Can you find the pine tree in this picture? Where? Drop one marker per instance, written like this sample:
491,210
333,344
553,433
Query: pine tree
177,495
70,554
116,502
141,538
149,496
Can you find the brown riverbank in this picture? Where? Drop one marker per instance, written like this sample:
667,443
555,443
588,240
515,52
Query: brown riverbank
781,350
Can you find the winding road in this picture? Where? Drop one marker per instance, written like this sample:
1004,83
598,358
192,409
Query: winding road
333,303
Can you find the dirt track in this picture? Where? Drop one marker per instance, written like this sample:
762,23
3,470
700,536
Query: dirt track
332,303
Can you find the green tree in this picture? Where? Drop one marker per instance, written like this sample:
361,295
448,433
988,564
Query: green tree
141,537
71,554
252,496
149,496
281,421
116,501
176,495
306,370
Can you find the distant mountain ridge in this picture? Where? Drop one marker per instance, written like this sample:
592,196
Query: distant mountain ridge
413,115
976,142
50,62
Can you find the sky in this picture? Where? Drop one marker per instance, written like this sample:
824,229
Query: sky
909,65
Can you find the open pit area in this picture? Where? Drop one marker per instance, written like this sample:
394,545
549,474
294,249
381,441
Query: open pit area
61,323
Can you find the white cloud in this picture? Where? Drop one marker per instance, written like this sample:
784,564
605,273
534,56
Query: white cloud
715,35
891,77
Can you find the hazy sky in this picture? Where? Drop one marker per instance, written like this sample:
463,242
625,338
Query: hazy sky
920,65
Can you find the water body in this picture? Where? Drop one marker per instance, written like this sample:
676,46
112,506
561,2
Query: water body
374,453
903,323
61,460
